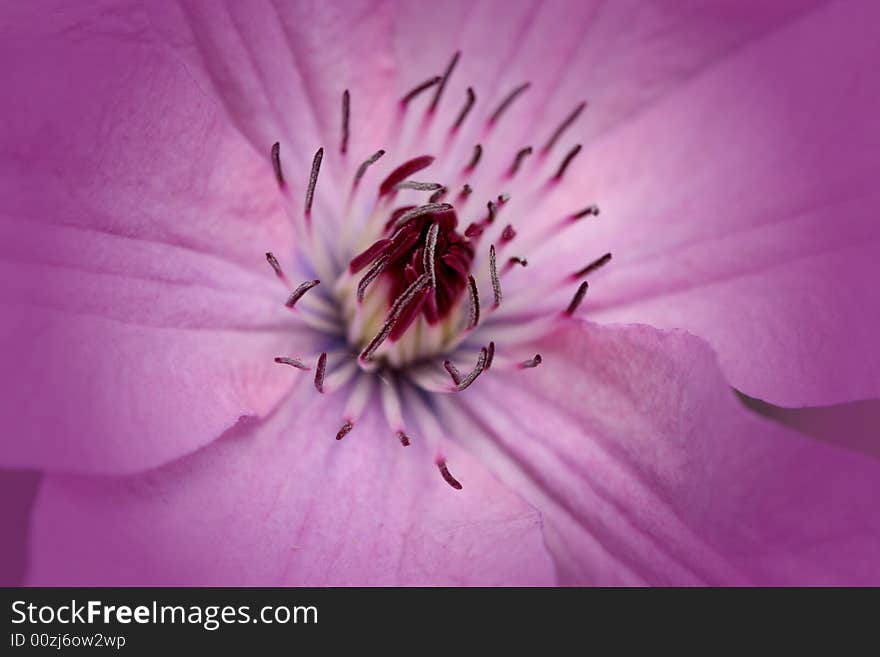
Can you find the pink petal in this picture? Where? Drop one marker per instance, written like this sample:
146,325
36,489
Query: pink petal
647,470
743,209
140,318
283,503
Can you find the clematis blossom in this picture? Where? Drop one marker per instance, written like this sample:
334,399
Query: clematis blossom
389,293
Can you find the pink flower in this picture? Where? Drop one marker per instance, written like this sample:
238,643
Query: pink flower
730,155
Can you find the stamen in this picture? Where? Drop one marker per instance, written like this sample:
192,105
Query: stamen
468,105
442,85
293,362
377,268
418,186
517,260
404,439
276,266
521,155
532,362
394,314
593,266
276,163
403,172
346,110
512,96
473,230
319,372
436,196
313,180
503,198
493,274
474,373
343,432
475,158
428,208
566,161
430,253
577,299
362,169
466,191
589,210
566,123
492,210
474,318
508,233
454,373
297,294
447,477
490,355
427,84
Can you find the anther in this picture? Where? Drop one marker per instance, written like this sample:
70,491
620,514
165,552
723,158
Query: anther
319,372
531,362
473,230
492,211
474,296
394,314
508,233
418,186
443,81
293,362
466,191
465,382
427,84
503,198
346,111
517,260
301,289
475,158
343,432
566,123
276,266
521,155
508,101
276,163
371,275
403,172
313,180
493,274
436,196
428,208
566,161
404,439
362,169
490,355
468,105
577,299
593,266
589,210
447,477
454,373
430,253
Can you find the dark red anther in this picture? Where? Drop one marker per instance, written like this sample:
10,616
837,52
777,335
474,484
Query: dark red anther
319,372
343,432
593,266
404,439
454,373
517,260
466,381
293,362
418,186
447,477
403,172
502,199
362,169
508,233
521,155
474,317
298,293
276,163
508,101
346,111
473,230
443,81
589,210
369,255
531,362
566,161
493,275
275,265
313,180
577,299
566,123
475,158
466,191
490,356
420,88
491,210
436,196
468,105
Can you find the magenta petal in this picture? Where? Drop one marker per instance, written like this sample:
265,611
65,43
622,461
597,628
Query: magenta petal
284,503
647,469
